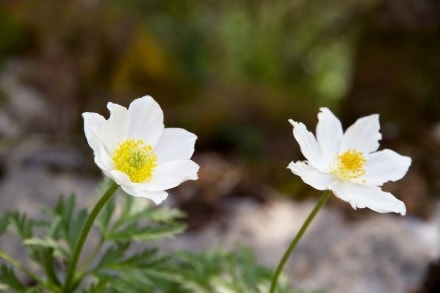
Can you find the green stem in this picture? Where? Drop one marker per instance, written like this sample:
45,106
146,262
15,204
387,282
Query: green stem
19,266
82,238
324,197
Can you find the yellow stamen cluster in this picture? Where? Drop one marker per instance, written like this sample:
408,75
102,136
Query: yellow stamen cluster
136,159
349,165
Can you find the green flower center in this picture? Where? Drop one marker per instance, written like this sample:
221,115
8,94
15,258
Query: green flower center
136,159
349,165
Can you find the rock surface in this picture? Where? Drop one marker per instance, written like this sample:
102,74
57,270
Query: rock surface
383,253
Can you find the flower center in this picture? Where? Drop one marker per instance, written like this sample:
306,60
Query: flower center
136,159
349,165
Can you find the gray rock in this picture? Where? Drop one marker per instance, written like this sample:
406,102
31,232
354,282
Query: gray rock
23,107
383,253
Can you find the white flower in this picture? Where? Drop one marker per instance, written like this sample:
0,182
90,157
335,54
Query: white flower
349,163
133,148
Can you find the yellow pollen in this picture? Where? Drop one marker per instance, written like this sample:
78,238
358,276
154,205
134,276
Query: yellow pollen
136,159
349,165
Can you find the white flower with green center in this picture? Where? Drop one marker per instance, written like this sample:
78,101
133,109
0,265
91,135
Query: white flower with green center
348,163
133,148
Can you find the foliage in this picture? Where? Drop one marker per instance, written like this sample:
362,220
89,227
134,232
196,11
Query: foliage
274,43
122,258
225,272
272,56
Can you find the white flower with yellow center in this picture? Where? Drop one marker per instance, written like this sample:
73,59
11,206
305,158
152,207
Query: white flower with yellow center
133,148
349,163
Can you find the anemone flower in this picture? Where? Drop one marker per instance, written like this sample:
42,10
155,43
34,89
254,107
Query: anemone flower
134,149
349,164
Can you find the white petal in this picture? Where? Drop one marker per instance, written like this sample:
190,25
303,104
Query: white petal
385,165
107,173
102,159
308,145
175,144
171,174
310,175
363,135
156,196
166,176
372,197
114,130
146,120
328,134
92,126
121,178
139,190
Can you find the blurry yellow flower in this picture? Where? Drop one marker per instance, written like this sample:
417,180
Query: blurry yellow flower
349,163
133,148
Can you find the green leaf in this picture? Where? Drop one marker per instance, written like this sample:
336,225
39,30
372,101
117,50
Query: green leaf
97,287
47,243
9,279
143,260
65,208
130,281
44,253
68,228
46,258
76,227
140,222
112,255
134,279
224,271
54,227
35,289
140,233
20,224
116,259
139,272
66,224
153,214
165,215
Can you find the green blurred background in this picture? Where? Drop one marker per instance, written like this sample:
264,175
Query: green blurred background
232,72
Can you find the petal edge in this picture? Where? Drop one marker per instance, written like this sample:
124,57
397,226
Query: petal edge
310,175
372,197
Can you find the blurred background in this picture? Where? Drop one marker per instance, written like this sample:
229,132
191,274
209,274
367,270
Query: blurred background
232,72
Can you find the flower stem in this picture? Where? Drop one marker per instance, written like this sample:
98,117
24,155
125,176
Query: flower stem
324,197
82,238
